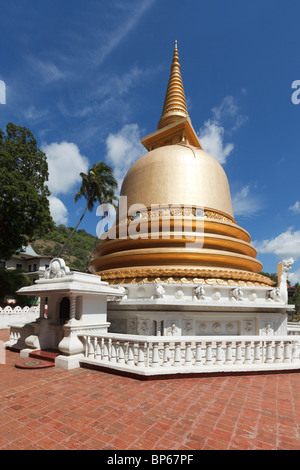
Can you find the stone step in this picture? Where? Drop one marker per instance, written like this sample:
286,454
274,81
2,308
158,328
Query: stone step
38,360
47,355
31,363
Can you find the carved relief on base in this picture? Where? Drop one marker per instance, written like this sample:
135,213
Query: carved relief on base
217,327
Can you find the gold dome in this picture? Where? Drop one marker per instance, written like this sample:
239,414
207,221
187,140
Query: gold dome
179,182
178,174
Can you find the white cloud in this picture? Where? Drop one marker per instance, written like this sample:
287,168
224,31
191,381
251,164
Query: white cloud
58,210
121,84
211,136
65,163
228,107
49,71
294,277
33,114
295,208
123,148
212,133
285,245
133,15
245,203
107,95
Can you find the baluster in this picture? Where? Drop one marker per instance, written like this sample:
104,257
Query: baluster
166,357
257,353
91,350
94,340
295,351
121,358
248,359
141,355
177,355
155,356
188,354
208,356
147,354
219,359
130,360
238,352
85,342
278,355
98,352
269,355
229,353
287,351
198,360
113,354
105,356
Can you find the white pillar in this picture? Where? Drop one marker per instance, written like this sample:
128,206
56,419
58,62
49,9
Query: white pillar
72,307
42,307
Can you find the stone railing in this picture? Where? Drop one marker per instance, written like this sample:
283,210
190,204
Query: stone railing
18,334
11,315
165,355
293,328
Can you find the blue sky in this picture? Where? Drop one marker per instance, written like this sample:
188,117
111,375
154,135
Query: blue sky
88,78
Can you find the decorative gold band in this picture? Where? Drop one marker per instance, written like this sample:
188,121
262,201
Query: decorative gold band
169,211
181,275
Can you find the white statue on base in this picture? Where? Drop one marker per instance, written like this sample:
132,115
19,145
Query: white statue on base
159,291
282,270
274,295
236,294
199,292
57,268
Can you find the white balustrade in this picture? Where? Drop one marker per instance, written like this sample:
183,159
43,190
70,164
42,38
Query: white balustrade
17,336
164,354
293,328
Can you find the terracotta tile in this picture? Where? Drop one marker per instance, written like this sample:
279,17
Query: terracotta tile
83,409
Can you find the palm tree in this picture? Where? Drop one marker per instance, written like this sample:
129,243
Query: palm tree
98,185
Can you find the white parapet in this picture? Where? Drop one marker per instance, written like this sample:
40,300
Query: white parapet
15,315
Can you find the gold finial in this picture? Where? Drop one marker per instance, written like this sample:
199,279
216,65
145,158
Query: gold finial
175,103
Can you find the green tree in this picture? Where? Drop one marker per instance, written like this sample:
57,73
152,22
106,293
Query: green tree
24,204
296,298
272,276
12,280
98,185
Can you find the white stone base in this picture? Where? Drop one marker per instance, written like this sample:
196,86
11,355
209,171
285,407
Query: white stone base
187,310
68,362
24,353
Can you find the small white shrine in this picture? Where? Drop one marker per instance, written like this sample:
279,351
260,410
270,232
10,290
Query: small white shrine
75,302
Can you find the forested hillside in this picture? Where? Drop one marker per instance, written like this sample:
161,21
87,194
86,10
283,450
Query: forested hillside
77,251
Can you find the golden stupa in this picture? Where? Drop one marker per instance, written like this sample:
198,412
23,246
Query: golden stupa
176,179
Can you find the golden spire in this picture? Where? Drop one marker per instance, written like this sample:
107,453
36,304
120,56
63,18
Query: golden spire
175,103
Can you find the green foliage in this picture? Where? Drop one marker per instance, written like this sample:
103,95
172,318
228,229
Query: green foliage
272,276
12,280
295,299
24,205
98,185
76,252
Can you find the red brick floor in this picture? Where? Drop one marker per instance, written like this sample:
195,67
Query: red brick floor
53,409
